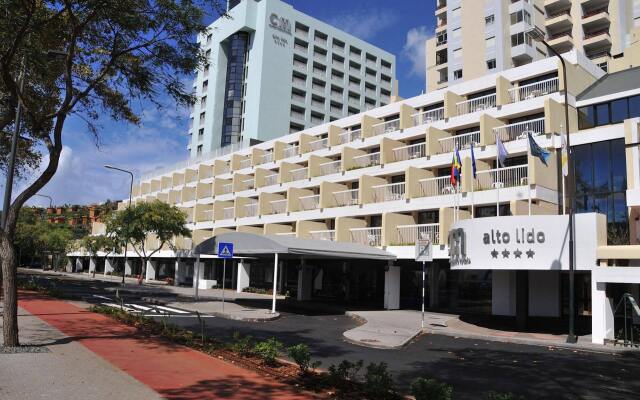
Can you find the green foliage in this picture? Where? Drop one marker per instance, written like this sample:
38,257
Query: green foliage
301,355
503,396
430,389
243,345
378,381
97,243
344,372
268,350
35,236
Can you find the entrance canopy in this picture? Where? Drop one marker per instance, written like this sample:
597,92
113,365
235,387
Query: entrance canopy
250,244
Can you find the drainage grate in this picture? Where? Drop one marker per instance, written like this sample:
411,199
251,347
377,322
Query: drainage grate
24,349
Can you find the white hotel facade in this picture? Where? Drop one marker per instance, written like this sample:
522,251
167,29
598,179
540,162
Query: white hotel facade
380,179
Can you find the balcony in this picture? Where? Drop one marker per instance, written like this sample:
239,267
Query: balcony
388,192
386,127
533,90
227,188
409,152
462,141
251,210
594,18
228,212
560,20
366,160
561,42
328,234
409,234
597,39
319,144
428,117
477,104
349,136
523,53
367,236
278,206
245,163
246,184
309,202
299,174
520,130
345,198
271,180
207,215
329,168
502,178
436,186
267,157
291,151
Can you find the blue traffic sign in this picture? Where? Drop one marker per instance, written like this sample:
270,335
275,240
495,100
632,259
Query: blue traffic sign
225,250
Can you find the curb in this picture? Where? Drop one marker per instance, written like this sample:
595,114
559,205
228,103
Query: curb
268,317
372,345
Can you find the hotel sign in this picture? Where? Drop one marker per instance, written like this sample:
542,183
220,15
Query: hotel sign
280,23
537,242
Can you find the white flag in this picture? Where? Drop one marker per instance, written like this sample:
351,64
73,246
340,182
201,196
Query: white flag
564,155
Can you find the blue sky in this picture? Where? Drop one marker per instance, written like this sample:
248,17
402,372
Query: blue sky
399,27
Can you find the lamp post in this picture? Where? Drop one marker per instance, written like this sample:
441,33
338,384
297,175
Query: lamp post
46,197
538,35
129,205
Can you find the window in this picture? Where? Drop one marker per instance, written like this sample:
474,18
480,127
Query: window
457,53
612,112
491,64
490,42
200,132
457,74
619,110
489,20
602,114
205,85
520,38
199,150
520,16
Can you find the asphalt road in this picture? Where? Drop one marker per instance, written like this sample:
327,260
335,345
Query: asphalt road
473,367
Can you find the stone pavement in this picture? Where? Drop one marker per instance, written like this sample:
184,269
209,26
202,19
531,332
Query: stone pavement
172,371
230,311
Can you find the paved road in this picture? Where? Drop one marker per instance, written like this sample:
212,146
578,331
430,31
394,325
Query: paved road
471,366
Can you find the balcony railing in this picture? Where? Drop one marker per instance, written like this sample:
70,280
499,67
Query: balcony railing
502,177
595,12
349,136
247,184
328,234
436,186
309,202
367,236
366,160
299,173
291,151
246,163
331,167
427,117
594,34
386,127
189,196
520,130
477,104
204,193
319,144
533,90
460,142
389,192
227,188
409,234
345,198
271,179
266,158
207,215
278,206
225,170
228,212
409,152
251,210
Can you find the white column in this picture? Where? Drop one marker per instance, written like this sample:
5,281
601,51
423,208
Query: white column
78,265
108,265
392,288
92,264
305,281
602,313
127,266
179,273
69,266
244,269
151,270
198,273
503,292
275,283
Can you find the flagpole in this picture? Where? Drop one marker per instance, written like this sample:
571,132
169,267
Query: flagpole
564,199
528,174
496,180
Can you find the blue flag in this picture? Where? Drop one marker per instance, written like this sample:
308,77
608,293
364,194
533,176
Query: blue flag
502,151
473,162
538,151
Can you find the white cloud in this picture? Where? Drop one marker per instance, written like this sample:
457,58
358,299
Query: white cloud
414,49
365,24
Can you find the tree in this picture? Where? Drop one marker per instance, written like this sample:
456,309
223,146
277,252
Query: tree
142,221
34,237
109,53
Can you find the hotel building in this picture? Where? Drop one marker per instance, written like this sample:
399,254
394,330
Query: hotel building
272,70
477,37
370,185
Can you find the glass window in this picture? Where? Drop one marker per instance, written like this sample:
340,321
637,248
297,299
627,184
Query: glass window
634,106
601,170
586,117
457,74
618,165
619,111
602,114
489,20
491,64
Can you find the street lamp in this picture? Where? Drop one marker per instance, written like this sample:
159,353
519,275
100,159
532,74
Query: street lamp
538,35
46,197
130,192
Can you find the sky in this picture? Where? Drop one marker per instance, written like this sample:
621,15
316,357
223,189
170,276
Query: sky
397,26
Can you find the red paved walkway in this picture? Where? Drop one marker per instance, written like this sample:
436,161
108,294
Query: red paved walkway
176,372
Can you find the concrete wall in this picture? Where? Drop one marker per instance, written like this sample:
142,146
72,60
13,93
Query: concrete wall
343,226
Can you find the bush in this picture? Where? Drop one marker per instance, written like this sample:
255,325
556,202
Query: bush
268,350
430,389
343,372
378,381
243,345
503,396
301,355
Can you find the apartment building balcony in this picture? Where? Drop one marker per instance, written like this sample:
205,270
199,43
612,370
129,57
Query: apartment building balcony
561,42
225,188
477,104
499,178
319,144
299,174
428,117
291,151
435,186
386,127
270,180
409,234
388,192
523,53
331,167
367,236
326,234
559,20
533,90
188,194
349,136
204,190
228,212
190,176
556,4
311,202
365,160
221,167
344,198
594,18
207,215
593,3
441,6
409,152
251,210
598,39
204,172
265,158
520,130
462,141
278,206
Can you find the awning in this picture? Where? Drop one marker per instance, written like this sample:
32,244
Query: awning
250,244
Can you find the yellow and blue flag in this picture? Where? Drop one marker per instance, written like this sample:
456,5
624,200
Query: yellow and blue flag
456,168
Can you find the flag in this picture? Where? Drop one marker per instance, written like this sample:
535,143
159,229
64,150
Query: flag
538,151
456,168
564,156
502,151
473,162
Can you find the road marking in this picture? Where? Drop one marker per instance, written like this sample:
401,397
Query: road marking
101,297
173,310
179,316
127,309
138,306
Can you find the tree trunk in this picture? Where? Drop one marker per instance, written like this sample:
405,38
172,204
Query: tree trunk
143,270
9,292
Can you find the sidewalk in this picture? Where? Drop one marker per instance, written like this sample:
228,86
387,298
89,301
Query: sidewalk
231,310
172,371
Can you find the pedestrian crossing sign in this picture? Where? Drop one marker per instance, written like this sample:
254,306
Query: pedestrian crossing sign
225,250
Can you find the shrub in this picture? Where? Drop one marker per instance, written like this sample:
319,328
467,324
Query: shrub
378,381
243,345
268,350
301,355
343,372
503,396
430,389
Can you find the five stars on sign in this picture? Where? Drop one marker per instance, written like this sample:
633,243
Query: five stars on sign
494,253
517,253
530,253
505,253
